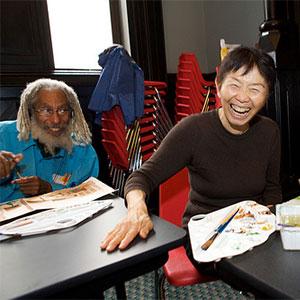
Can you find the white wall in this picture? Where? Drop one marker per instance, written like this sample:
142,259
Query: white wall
184,29
124,22
198,25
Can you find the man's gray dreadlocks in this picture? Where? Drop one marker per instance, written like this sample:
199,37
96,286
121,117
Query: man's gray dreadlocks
80,130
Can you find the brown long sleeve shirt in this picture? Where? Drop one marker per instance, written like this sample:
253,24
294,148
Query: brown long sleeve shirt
223,168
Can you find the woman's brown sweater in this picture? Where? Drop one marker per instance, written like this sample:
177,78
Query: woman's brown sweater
223,168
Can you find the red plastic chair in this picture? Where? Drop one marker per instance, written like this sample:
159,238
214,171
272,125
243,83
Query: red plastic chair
178,270
189,60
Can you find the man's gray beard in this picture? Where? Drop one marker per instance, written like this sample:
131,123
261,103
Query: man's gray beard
52,142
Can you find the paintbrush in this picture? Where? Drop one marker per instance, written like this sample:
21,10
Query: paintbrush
17,168
220,228
18,171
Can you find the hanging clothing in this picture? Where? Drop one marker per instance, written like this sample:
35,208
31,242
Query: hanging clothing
121,83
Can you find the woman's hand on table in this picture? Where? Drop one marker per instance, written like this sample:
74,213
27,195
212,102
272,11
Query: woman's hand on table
137,222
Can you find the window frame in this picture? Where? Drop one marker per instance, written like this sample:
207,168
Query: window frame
37,12
145,20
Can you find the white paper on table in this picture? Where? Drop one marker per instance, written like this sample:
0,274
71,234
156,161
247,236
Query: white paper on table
54,219
87,191
251,227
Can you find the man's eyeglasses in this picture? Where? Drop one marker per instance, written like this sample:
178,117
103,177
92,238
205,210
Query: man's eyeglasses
47,112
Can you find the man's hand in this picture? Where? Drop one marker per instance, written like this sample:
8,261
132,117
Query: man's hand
8,161
137,222
33,185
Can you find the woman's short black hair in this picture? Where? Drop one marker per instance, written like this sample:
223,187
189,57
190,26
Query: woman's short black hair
248,58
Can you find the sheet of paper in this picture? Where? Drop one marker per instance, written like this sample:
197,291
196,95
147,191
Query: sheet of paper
87,191
251,226
14,209
54,219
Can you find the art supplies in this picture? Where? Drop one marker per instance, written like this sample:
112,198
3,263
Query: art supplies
230,231
288,222
220,228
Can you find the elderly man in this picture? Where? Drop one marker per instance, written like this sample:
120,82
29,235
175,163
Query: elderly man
48,146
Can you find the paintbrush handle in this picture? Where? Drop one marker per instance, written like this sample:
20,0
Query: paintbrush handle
220,228
228,217
208,243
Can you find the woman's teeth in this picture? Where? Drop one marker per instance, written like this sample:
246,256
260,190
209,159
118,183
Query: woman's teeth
240,110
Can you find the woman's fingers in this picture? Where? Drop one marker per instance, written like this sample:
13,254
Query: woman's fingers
147,226
126,231
129,237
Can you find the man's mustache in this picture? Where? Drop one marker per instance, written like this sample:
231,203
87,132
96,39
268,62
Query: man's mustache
54,126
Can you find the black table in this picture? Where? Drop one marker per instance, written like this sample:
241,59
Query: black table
268,270
39,266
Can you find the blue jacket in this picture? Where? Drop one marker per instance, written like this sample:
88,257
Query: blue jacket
121,83
80,164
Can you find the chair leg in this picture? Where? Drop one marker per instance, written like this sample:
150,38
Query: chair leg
160,286
156,281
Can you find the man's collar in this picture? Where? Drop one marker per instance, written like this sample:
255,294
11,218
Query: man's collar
45,152
25,144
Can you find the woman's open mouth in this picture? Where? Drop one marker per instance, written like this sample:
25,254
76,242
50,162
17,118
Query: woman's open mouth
239,110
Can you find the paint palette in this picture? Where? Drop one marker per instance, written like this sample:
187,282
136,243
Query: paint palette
250,227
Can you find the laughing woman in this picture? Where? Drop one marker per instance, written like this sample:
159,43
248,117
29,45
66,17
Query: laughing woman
232,153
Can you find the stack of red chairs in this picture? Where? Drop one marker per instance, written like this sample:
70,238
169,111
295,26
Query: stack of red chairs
115,142
129,146
155,123
114,137
194,94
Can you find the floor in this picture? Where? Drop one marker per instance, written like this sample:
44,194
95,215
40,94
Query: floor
143,287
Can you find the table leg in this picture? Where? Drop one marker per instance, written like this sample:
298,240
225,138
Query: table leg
121,290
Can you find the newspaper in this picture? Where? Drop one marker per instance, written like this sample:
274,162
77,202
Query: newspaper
87,191
54,219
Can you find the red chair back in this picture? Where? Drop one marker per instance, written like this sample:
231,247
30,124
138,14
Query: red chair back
173,196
